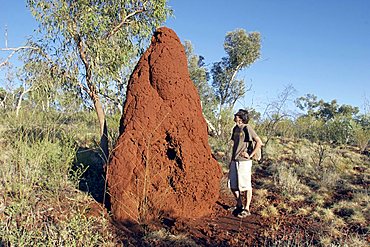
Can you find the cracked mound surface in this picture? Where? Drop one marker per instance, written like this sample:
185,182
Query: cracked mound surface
162,163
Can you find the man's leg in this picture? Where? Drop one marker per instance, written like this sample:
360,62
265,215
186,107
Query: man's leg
249,199
238,198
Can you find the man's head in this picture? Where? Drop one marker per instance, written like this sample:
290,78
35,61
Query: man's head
243,115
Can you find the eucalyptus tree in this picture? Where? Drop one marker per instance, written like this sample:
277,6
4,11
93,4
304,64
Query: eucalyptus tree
93,41
324,110
39,80
337,121
242,49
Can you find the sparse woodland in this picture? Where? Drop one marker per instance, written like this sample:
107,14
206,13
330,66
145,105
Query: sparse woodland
60,116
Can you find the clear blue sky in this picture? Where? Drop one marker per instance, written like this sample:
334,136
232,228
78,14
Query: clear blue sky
319,47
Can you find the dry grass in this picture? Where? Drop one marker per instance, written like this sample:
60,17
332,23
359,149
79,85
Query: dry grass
39,202
164,238
320,182
287,180
270,211
260,198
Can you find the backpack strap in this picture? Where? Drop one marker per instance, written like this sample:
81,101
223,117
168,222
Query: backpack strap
249,140
247,134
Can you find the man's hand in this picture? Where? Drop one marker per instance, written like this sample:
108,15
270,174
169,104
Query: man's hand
245,155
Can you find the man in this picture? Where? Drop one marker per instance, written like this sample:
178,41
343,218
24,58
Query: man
240,171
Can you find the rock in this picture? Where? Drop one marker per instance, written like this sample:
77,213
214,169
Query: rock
161,164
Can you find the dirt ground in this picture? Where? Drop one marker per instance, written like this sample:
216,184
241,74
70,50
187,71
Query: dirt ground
223,228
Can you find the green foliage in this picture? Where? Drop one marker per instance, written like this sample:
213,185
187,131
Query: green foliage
337,130
243,49
110,35
222,142
7,100
113,121
200,76
330,122
2,93
361,136
285,128
308,127
93,44
227,88
324,110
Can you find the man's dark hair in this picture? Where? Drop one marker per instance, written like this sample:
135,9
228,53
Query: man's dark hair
243,114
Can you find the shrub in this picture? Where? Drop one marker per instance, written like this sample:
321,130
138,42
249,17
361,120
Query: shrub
361,137
270,211
287,181
328,179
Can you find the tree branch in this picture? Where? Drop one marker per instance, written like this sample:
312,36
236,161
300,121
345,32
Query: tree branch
91,89
235,72
83,87
14,51
115,101
19,48
123,22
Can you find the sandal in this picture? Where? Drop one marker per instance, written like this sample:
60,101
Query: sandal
244,213
238,208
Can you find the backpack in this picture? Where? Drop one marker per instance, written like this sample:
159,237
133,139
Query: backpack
251,144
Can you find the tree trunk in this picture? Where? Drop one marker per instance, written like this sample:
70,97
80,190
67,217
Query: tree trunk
91,90
19,104
219,119
3,101
103,126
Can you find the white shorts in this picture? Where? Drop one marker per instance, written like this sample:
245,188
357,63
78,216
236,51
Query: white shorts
240,175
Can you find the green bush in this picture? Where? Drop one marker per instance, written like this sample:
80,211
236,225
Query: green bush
361,136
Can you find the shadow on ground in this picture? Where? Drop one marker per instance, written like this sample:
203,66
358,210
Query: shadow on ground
88,169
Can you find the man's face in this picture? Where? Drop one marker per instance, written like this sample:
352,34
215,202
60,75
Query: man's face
238,120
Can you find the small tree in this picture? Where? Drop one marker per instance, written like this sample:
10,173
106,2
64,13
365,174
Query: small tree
92,41
242,49
361,136
309,127
361,131
7,96
324,110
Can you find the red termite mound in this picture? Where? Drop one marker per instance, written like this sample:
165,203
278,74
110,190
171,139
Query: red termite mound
162,163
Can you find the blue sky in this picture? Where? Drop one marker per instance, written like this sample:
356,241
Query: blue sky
318,47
